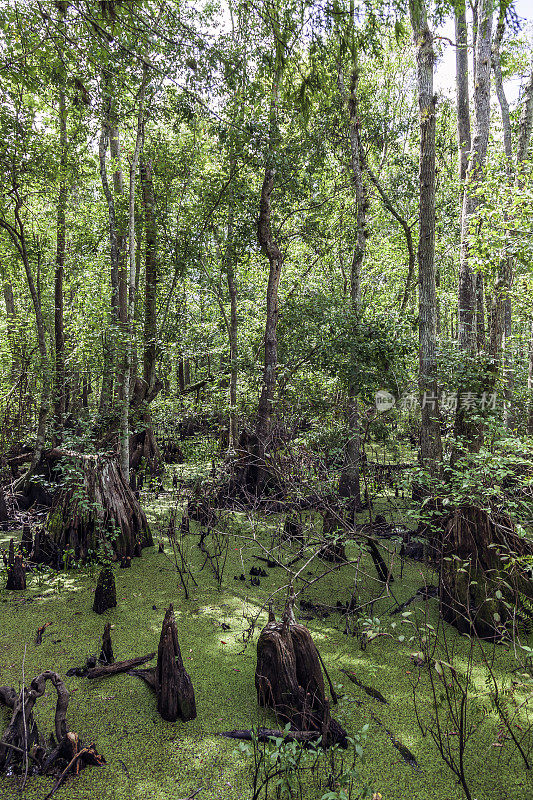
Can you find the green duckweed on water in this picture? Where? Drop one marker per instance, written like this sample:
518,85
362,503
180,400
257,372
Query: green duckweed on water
150,759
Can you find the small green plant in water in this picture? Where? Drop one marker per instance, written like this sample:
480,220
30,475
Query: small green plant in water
284,769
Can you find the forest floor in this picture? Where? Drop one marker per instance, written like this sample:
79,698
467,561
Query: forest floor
150,759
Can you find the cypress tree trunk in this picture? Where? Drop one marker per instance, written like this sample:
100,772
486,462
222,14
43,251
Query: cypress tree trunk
130,288
108,139
96,507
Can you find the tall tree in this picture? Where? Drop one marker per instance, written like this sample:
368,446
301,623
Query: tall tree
462,94
474,174
430,437
350,480
61,232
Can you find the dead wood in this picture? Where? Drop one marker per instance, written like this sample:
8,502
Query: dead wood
119,666
105,596
106,653
169,679
288,678
16,575
175,693
367,689
265,734
40,631
21,741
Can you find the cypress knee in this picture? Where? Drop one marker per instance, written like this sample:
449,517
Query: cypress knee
16,576
106,594
106,653
175,692
26,542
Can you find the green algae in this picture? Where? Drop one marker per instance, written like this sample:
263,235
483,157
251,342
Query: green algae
149,758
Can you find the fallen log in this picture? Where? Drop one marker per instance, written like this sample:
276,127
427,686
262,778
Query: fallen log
375,693
119,666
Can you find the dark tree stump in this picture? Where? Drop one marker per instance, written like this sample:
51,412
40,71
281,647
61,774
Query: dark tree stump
16,575
479,587
288,678
4,516
334,552
161,548
200,510
106,653
175,693
293,528
169,678
11,553
106,504
45,551
26,542
106,594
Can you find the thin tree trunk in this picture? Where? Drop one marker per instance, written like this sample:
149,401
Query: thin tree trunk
11,317
350,481
480,312
526,121
500,94
109,338
524,136
474,176
463,105
411,255
122,229
469,430
18,236
233,327
59,333
430,438
530,384
130,313
275,259
504,324
151,277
